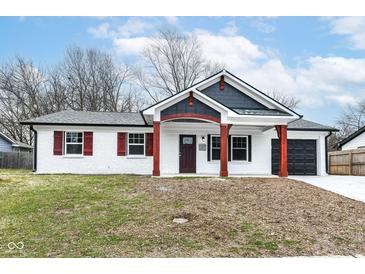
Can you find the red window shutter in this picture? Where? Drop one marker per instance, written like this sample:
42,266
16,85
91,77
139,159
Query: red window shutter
149,144
58,143
121,147
88,143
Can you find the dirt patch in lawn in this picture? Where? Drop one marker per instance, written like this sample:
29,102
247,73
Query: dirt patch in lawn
247,217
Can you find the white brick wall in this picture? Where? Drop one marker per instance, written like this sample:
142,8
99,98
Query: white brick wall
106,161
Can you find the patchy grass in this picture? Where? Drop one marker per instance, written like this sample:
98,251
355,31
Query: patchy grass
246,227
131,216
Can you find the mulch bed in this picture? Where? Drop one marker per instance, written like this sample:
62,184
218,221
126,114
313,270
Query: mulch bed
246,217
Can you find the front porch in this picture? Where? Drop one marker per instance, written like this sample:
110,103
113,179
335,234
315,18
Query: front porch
252,158
231,111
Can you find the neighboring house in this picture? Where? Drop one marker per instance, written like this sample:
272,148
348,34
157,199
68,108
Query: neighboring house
8,144
354,141
219,126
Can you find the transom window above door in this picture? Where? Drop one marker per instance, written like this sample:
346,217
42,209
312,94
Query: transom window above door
187,140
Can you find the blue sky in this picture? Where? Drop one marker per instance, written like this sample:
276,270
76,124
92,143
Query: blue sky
319,60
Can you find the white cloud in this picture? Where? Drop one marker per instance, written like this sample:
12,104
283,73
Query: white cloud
316,81
237,52
335,71
263,24
130,46
230,29
352,27
134,26
271,76
172,20
102,31
344,100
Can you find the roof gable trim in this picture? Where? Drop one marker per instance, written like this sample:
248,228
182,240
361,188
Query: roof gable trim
235,82
7,138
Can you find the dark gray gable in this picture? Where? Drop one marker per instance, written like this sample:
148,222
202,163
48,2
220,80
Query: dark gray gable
232,97
182,107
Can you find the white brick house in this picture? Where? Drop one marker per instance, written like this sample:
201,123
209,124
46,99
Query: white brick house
220,126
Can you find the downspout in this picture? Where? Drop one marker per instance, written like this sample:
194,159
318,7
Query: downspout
326,149
34,148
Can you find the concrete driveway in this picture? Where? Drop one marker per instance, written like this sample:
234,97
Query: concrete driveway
349,186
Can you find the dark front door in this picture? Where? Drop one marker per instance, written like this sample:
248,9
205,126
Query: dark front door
302,157
187,154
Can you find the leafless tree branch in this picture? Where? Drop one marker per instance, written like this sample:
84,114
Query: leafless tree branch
174,61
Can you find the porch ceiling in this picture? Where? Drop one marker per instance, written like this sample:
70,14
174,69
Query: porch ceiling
193,124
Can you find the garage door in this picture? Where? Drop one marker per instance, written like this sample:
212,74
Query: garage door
302,157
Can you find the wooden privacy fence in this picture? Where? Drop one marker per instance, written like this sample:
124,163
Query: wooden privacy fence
16,160
347,162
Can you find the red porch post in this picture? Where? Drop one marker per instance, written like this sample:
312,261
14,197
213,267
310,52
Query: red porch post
224,130
156,149
283,148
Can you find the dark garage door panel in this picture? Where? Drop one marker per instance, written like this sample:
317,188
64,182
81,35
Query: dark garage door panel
302,157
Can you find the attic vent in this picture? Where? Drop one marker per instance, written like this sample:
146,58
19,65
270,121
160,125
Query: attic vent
190,100
221,83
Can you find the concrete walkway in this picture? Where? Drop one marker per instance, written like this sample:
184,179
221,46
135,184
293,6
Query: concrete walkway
350,186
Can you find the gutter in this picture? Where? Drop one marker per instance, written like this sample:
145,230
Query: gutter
84,124
300,117
34,148
144,119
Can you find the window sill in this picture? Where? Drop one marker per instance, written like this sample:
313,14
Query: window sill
214,161
240,162
74,156
235,162
136,157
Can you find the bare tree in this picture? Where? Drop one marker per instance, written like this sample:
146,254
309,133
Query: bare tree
94,81
87,80
23,93
351,119
174,61
57,91
285,99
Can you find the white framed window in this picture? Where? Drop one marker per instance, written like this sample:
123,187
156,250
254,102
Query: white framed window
74,142
136,144
239,148
215,147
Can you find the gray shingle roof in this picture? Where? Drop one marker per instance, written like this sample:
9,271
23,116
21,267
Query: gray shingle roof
89,118
303,124
132,119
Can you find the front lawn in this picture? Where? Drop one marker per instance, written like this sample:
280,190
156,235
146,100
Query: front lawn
132,216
